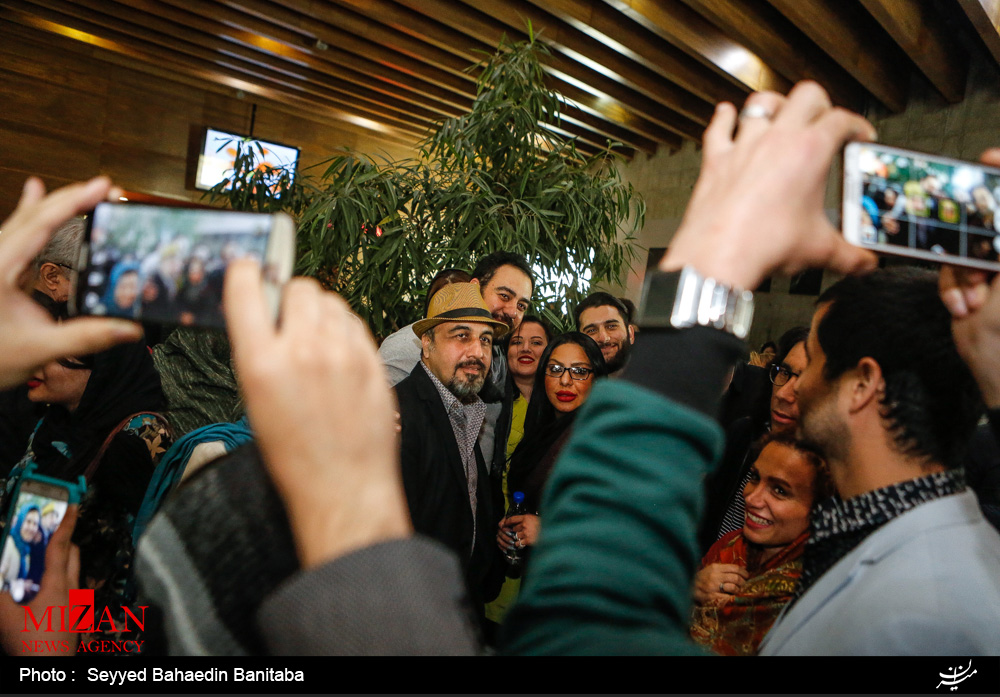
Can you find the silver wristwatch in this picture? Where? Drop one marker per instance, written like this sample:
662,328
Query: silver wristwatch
685,298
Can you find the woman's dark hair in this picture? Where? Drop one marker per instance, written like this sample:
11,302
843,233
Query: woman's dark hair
542,425
540,412
441,279
123,381
895,317
768,345
823,483
535,319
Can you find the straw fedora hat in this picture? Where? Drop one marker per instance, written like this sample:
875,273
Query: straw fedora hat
459,302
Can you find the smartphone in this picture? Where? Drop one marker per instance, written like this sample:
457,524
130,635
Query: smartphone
922,206
166,265
38,506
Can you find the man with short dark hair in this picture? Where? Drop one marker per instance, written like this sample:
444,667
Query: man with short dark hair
501,277
447,485
897,563
604,318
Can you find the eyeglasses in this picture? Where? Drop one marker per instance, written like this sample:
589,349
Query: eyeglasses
780,375
554,370
65,266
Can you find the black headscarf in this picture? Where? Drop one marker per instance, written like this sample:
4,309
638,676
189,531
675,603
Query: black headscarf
123,381
543,425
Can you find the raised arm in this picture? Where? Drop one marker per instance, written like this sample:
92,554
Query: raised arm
612,574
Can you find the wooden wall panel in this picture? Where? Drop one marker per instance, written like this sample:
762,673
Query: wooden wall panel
72,111
52,154
56,108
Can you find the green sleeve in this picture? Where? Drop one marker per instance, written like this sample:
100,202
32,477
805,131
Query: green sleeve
618,548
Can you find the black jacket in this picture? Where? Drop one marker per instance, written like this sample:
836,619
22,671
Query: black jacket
437,490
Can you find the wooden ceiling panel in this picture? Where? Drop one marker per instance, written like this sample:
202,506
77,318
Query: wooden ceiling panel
766,32
618,32
215,71
922,33
603,59
645,73
703,41
149,31
466,21
839,28
985,18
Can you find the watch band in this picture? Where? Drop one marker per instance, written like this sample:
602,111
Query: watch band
685,298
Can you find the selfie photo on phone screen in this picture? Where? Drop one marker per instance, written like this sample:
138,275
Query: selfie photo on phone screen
922,206
167,265
35,515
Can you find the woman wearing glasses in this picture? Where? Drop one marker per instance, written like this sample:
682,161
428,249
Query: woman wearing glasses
569,366
100,423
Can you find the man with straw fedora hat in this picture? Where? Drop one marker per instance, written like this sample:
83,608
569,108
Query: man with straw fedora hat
447,484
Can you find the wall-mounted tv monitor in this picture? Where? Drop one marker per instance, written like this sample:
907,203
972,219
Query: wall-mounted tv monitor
218,151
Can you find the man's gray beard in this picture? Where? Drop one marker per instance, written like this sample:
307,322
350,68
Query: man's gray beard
466,392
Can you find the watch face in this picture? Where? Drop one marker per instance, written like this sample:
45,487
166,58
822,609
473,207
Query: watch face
682,299
658,295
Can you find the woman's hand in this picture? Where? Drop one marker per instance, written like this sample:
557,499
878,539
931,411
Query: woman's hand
29,338
520,530
717,583
62,572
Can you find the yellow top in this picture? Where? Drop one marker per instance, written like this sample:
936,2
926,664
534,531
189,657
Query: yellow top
497,609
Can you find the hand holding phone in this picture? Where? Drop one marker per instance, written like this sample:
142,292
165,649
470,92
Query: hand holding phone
62,573
38,506
757,208
28,337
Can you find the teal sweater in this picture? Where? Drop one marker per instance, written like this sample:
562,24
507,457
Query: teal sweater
612,572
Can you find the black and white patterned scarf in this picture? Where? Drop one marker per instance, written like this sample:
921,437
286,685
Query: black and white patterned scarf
839,526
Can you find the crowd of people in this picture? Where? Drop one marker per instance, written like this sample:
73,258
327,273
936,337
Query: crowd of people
836,493
942,209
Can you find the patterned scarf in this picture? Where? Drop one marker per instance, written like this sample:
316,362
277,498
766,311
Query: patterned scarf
840,526
738,627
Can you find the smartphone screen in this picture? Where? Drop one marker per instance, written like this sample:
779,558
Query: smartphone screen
37,511
167,265
922,206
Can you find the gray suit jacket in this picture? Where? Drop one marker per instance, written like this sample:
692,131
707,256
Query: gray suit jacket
925,583
402,597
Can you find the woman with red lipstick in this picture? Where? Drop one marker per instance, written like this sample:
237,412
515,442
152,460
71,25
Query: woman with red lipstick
749,575
525,346
524,351
568,368
100,423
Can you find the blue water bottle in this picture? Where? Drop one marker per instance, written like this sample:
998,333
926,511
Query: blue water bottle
514,554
